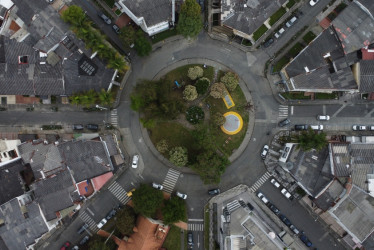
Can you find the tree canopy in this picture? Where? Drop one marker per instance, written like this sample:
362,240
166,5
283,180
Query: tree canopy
142,46
178,156
189,93
74,15
190,22
195,72
127,35
311,139
218,119
126,219
230,80
174,211
202,85
210,166
217,90
147,200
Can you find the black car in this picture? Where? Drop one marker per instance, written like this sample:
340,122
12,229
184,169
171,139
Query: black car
111,214
249,205
92,127
214,191
82,228
269,42
284,122
189,239
305,240
285,220
274,209
84,240
78,127
301,127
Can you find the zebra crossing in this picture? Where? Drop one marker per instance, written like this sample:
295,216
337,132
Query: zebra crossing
260,182
196,227
89,221
114,117
283,111
119,192
170,180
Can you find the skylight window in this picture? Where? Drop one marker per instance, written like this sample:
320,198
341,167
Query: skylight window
23,60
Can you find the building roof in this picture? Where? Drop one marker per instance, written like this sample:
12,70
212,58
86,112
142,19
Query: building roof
354,25
19,231
341,159
11,183
54,194
330,196
85,159
248,16
355,213
111,145
100,181
366,81
362,163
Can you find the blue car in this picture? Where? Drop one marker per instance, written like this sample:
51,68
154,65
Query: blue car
305,240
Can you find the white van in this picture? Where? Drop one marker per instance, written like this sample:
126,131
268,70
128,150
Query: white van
323,117
279,33
316,127
291,22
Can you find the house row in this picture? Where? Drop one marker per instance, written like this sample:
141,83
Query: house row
46,180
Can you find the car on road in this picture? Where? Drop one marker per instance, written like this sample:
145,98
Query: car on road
135,160
291,22
301,127
274,209
305,240
359,127
157,186
116,28
82,228
78,127
190,239
93,127
268,42
249,205
265,151
182,196
110,214
105,18
262,197
313,2
65,246
102,223
316,127
275,183
84,240
214,191
286,193
371,128
129,193
284,122
75,248
294,229
285,220
323,117
279,32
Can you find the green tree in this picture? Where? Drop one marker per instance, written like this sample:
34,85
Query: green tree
230,80
118,63
126,219
210,166
189,93
142,46
195,72
217,90
127,35
76,99
89,98
178,156
106,97
98,244
137,102
174,211
162,146
147,200
202,85
218,119
190,22
203,138
310,139
74,15
148,123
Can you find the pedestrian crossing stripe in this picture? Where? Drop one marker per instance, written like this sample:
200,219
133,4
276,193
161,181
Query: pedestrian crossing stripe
195,227
89,221
114,117
119,192
170,180
260,182
283,111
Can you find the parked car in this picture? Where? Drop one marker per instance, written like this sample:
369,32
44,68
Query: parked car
286,221
110,214
316,127
157,186
274,209
279,33
65,246
102,223
75,248
291,22
84,240
249,205
262,197
268,42
286,193
313,2
294,229
82,228
284,122
129,193
275,183
214,191
105,18
323,117
371,128
190,239
116,28
301,127
265,151
305,240
135,160
78,127
359,127
94,127
182,196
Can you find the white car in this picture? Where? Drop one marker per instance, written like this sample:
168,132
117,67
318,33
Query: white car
275,183
182,196
323,117
102,223
313,2
135,160
265,151
286,193
316,127
157,186
262,197
359,127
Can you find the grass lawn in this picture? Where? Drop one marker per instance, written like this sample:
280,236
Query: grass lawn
295,50
110,3
325,96
246,42
280,64
277,15
118,12
295,96
259,32
173,239
290,3
163,35
180,74
309,37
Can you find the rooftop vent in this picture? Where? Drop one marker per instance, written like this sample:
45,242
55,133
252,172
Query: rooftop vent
23,60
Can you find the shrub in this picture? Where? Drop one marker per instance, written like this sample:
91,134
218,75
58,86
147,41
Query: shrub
202,85
189,93
217,90
195,72
178,156
218,119
194,114
162,146
230,80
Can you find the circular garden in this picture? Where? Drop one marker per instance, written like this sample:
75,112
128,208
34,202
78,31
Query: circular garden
184,113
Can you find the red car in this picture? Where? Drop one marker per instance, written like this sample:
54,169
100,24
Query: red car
65,246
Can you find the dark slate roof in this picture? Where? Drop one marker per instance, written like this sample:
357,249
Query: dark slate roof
85,159
355,25
311,169
366,76
27,9
11,183
248,19
18,231
329,197
27,137
153,12
111,145
53,194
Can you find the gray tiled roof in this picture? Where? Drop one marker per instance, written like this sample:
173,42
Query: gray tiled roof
356,212
53,194
329,197
153,12
355,25
362,163
27,9
111,145
366,76
248,19
341,159
11,183
19,231
86,159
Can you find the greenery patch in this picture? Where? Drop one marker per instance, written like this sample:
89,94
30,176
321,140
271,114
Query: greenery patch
118,12
110,3
277,15
290,3
295,50
295,96
309,37
194,114
163,35
259,32
326,96
278,66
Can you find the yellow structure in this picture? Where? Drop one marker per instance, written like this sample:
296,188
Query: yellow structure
233,124
228,100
